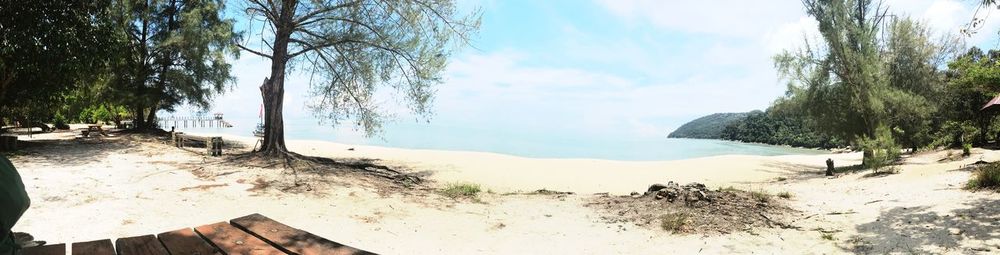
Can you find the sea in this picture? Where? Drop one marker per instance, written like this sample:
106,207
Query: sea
518,143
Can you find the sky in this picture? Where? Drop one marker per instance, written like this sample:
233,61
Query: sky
613,68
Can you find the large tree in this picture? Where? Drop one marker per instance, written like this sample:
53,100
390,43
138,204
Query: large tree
353,48
843,79
176,53
48,48
872,82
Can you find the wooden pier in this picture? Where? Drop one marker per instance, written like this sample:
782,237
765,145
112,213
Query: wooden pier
194,122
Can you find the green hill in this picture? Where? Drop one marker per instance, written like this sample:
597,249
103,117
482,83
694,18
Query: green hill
708,127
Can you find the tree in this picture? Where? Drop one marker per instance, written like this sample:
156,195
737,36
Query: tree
844,80
176,53
352,48
912,58
973,78
48,48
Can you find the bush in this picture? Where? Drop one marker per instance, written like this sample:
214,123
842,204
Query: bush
60,121
673,222
986,177
879,151
966,149
457,190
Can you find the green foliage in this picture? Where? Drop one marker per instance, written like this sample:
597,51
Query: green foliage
461,190
60,121
973,79
877,89
48,48
774,127
708,127
674,222
880,150
985,177
355,51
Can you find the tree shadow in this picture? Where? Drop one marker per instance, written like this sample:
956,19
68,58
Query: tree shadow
919,230
71,152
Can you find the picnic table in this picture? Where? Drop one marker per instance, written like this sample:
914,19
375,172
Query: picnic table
93,130
251,234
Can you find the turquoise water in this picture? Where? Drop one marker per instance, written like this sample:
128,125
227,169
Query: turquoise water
519,143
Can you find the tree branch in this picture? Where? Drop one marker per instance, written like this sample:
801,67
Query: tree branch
254,52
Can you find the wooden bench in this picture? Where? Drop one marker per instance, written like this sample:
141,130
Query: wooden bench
251,234
213,144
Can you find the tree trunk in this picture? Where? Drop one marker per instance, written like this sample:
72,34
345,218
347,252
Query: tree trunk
151,117
138,118
273,89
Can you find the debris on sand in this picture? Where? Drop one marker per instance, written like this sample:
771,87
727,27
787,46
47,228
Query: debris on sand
709,211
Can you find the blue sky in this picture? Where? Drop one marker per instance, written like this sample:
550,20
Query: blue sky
613,68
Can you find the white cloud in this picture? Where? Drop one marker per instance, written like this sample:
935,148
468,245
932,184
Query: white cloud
736,18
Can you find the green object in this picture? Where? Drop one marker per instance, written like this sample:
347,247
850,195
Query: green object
14,201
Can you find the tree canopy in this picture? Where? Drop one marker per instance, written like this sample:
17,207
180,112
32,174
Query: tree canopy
352,49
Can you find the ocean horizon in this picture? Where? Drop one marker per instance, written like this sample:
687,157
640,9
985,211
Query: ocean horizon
433,136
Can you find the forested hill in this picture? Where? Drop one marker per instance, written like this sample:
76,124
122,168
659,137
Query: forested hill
708,127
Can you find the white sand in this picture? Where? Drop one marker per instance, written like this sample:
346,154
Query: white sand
84,192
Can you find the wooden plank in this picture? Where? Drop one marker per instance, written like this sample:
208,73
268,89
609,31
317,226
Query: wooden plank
186,242
97,247
231,240
292,240
140,245
52,249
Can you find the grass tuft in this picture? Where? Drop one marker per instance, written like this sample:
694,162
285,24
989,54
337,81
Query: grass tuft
760,196
673,222
729,189
827,236
985,177
457,190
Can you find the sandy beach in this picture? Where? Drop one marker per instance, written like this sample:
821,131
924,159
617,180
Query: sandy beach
127,185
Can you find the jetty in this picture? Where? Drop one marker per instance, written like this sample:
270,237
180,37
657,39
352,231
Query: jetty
184,122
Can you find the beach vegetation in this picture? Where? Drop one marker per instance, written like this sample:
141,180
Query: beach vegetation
674,222
985,177
461,190
760,196
827,236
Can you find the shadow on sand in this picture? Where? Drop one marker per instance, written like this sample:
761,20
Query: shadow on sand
975,228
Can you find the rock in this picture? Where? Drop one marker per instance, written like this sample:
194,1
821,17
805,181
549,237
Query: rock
635,194
955,231
655,187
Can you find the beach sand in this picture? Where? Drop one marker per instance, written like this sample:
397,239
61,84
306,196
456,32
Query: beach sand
128,186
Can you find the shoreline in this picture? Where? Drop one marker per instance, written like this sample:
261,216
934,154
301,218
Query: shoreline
510,173
249,140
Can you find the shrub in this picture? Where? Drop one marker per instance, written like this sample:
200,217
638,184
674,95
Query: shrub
456,190
966,149
673,222
986,177
60,121
879,151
